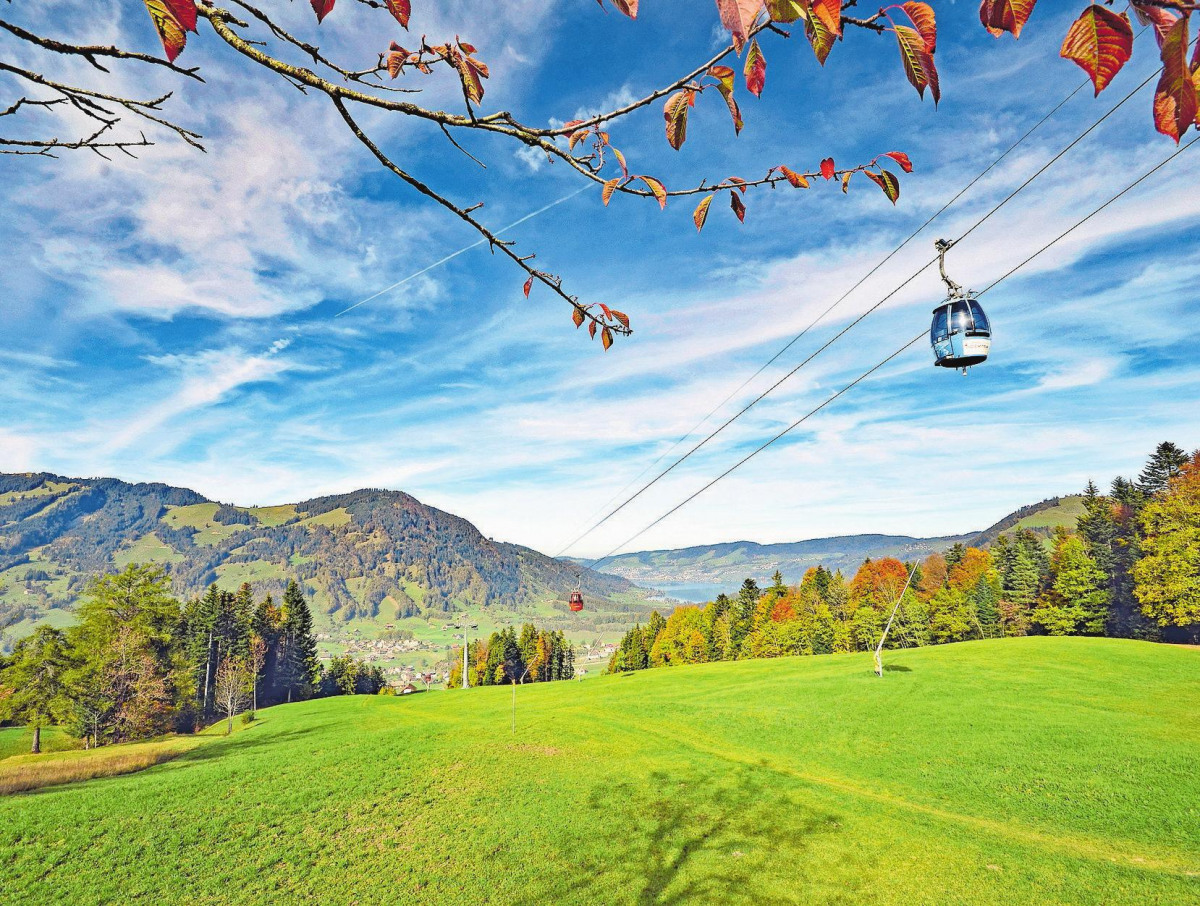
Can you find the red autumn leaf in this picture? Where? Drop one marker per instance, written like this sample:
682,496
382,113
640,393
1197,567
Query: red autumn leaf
738,183
1161,19
657,188
820,37
592,329
700,215
184,12
738,16
926,23
171,31
827,168
738,207
322,8
1175,103
576,137
1101,42
401,9
756,69
528,286
609,188
620,316
606,338
830,14
918,62
887,181
472,72
999,16
675,112
902,159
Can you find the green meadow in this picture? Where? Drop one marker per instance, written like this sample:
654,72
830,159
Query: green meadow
1034,770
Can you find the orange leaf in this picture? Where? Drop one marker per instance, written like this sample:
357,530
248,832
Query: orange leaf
675,112
738,207
621,160
827,168
528,286
830,14
902,159
656,187
577,316
756,69
592,329
1101,42
999,16
609,188
606,338
796,179
576,137
700,215
1175,103
620,316
926,23
846,181
628,7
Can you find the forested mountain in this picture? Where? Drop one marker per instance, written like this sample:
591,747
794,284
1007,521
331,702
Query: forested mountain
732,562
370,553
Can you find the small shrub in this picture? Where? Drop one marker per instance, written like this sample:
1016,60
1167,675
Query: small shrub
247,718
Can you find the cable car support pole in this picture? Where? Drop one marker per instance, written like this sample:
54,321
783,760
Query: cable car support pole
886,629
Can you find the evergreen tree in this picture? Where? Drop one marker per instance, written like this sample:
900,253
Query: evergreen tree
299,669
1077,601
32,690
1164,464
267,624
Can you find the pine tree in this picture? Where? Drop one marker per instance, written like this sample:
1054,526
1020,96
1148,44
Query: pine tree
1164,464
298,668
31,687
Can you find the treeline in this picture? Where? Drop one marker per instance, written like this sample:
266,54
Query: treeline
534,656
1130,568
138,663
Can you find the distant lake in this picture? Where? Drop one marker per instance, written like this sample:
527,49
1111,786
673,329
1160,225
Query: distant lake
696,594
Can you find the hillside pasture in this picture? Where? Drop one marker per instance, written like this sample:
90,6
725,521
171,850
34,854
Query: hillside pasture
1038,770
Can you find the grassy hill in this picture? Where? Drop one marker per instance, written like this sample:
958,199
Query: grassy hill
731,562
1034,770
369,561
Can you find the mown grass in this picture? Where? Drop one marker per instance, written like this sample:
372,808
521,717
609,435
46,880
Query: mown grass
1046,771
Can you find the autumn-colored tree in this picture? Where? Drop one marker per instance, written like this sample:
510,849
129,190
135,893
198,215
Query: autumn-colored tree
933,576
878,584
1167,577
361,91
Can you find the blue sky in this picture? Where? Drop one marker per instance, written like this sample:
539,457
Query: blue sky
174,318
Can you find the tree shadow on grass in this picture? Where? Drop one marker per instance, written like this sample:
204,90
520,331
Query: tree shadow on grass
699,838
896,668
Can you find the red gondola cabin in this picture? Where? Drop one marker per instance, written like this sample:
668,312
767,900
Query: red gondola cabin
576,601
